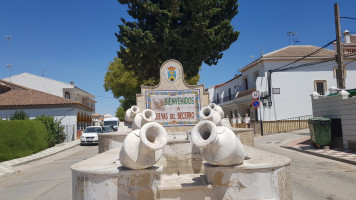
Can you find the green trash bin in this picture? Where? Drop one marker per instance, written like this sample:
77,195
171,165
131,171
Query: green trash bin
320,131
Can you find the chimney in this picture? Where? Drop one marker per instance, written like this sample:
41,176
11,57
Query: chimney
347,38
72,82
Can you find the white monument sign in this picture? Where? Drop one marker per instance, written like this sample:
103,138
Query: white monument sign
174,107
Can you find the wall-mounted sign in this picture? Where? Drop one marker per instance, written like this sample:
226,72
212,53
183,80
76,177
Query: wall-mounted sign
174,107
276,90
255,95
256,103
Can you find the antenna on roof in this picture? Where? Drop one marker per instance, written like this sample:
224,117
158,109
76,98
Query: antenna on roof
261,50
9,65
43,71
292,35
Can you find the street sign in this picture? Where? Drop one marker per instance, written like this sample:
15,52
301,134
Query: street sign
256,103
255,95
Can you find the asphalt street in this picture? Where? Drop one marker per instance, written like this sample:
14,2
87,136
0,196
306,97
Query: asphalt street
48,178
313,177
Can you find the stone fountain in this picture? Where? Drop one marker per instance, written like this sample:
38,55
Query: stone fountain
179,147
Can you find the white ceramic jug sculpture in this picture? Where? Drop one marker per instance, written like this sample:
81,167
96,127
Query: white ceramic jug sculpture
131,113
219,144
207,113
218,109
143,148
141,119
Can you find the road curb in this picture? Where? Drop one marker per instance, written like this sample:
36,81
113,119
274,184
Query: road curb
321,155
7,167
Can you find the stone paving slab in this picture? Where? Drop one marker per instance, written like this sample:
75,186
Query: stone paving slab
7,167
305,145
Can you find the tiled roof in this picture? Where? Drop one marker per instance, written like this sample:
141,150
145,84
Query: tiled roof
31,98
293,52
300,51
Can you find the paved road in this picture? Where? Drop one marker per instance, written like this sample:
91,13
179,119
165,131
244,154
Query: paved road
49,178
313,177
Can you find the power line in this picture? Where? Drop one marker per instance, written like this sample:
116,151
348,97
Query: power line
314,52
350,62
348,18
308,64
106,97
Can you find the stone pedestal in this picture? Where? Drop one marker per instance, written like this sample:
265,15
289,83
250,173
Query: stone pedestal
246,136
263,175
102,177
109,141
180,156
112,140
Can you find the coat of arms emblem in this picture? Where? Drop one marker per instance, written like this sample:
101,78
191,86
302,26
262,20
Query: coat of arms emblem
172,75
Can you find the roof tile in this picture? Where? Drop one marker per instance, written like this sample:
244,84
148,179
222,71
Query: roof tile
300,51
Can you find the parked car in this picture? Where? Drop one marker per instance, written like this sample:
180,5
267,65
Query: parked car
108,129
90,135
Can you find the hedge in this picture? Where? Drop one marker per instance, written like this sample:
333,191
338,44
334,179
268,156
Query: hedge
19,138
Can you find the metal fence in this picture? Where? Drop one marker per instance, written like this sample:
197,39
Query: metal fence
290,124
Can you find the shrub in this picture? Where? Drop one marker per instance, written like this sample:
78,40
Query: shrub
54,128
19,115
20,138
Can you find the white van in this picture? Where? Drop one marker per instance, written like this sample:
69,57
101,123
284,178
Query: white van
112,121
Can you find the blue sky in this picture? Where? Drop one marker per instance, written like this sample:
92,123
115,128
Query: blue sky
73,40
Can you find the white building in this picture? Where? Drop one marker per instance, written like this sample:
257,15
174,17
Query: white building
291,86
38,95
54,87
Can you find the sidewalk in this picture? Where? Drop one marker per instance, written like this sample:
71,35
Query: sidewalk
305,145
6,167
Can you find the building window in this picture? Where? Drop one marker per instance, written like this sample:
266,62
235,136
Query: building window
245,82
67,95
229,93
320,86
217,98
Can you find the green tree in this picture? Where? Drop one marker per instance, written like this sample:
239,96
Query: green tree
120,113
54,128
191,32
19,115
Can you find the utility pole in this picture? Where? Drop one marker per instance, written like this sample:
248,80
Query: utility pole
9,65
339,56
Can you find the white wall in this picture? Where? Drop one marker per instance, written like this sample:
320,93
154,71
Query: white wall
46,85
225,88
338,107
295,88
211,92
259,67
